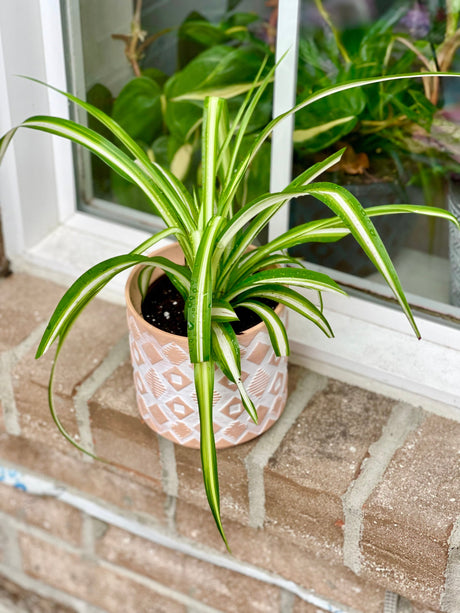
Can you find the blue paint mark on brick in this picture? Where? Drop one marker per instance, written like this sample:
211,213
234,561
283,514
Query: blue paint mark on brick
12,477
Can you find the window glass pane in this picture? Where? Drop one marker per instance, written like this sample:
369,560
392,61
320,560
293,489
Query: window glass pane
148,63
391,156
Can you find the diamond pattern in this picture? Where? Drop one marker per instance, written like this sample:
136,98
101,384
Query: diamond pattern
154,383
179,407
175,354
233,408
177,378
166,395
258,353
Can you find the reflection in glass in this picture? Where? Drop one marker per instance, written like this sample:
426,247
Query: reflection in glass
400,137
169,56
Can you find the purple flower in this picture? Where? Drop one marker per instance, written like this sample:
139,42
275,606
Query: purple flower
417,21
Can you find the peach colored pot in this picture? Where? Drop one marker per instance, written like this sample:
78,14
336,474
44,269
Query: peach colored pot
163,377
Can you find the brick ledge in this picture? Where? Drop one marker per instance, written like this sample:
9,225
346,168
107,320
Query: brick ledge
347,480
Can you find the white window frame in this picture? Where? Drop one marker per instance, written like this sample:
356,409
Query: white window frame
46,234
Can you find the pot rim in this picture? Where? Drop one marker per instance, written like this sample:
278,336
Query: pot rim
138,316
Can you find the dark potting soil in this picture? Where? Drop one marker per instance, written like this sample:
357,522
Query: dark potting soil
163,307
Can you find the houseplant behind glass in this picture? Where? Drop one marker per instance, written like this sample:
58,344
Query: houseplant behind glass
221,270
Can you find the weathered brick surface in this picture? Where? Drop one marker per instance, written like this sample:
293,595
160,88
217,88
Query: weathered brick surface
25,302
318,459
316,570
15,598
118,433
117,487
87,579
407,519
94,333
2,419
48,514
233,476
409,516
232,471
300,606
225,590
34,414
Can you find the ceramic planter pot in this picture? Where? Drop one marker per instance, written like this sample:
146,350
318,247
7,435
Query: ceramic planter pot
164,382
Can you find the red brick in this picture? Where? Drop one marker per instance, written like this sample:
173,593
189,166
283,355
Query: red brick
233,476
48,514
88,580
95,332
301,606
34,413
118,487
100,326
118,432
318,459
25,303
18,598
409,516
2,419
319,570
227,591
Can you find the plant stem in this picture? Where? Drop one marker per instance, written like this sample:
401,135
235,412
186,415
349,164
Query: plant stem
325,15
452,10
136,43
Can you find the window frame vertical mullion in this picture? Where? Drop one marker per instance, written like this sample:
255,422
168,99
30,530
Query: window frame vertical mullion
287,42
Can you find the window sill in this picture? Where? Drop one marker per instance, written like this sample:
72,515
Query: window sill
372,343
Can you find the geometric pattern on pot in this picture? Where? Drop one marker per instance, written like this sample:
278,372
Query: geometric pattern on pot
163,377
164,382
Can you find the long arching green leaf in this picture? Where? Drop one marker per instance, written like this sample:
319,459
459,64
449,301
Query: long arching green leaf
213,110
86,287
247,266
168,182
232,186
173,213
156,238
307,279
178,274
354,216
290,298
226,351
200,298
53,411
326,230
204,385
243,118
253,209
223,311
248,234
275,327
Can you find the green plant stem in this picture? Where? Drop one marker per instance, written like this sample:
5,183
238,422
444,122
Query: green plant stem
325,15
452,10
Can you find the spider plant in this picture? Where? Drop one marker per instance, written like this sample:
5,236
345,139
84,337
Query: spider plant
220,272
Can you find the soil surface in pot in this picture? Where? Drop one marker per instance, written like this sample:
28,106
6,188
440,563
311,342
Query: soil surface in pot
163,307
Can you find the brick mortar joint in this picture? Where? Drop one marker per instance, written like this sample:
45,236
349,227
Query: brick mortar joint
110,515
83,553
451,595
403,420
46,591
8,360
310,384
117,354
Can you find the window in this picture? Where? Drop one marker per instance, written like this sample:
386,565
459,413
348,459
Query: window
44,229
146,63
389,157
